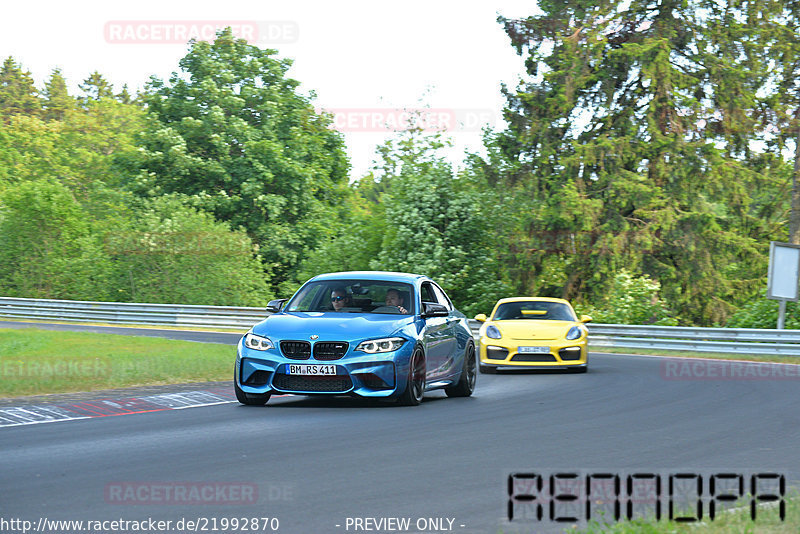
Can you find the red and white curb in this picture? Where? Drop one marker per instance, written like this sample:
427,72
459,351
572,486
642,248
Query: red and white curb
52,413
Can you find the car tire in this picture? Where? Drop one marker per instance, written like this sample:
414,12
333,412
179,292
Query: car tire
415,386
250,399
466,383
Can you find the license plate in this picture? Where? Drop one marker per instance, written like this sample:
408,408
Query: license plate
533,350
311,369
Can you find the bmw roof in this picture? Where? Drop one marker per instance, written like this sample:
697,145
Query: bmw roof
371,275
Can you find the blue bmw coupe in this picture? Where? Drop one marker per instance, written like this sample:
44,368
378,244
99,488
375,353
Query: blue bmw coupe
370,334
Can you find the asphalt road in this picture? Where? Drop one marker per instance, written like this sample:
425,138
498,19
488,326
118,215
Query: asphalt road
323,465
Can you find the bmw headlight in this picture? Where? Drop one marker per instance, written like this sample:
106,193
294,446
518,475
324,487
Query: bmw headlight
493,332
252,341
386,344
574,333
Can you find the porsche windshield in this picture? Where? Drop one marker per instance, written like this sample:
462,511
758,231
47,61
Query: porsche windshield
537,310
354,296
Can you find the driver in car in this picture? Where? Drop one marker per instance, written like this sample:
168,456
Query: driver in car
393,298
340,298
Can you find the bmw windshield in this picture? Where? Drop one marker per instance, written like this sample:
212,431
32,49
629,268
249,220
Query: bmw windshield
354,296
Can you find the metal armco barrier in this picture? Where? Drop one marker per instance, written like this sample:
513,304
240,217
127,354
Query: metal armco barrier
131,313
687,338
677,338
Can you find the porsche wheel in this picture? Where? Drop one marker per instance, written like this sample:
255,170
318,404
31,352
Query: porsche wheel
466,384
415,388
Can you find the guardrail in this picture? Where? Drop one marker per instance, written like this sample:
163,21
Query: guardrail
131,313
723,340
687,338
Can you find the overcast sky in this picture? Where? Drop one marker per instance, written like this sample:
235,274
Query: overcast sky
364,59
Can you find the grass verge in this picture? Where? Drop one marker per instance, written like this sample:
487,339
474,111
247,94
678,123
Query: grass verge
34,362
225,329
739,520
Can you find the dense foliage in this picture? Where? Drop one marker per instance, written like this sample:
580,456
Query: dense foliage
650,156
233,136
632,146
417,216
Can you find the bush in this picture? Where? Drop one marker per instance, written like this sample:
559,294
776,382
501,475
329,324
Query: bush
632,300
763,313
176,254
47,249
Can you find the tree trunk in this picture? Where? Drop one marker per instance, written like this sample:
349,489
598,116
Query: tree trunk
794,215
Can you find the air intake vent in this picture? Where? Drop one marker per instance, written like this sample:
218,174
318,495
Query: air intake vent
330,350
296,350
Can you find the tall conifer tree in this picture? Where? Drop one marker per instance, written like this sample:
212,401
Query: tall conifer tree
18,94
629,146
57,100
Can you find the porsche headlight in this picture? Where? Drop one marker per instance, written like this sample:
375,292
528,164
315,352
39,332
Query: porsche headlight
493,332
252,341
575,333
386,344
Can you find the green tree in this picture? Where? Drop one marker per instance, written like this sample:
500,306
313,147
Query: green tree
355,233
47,249
435,227
125,96
236,137
415,215
775,26
171,253
632,300
629,147
80,151
18,94
57,100
96,87
762,312
412,214
26,147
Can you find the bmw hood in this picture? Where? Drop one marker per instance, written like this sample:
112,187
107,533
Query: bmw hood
331,326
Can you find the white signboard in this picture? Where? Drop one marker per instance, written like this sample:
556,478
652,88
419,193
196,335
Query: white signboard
784,270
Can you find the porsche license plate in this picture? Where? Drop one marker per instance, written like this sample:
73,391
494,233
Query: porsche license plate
533,350
311,369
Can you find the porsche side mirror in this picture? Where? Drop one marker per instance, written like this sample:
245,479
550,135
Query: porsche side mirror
481,317
275,306
433,309
586,318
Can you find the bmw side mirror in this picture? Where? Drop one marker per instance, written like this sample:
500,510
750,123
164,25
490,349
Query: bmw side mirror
274,306
433,309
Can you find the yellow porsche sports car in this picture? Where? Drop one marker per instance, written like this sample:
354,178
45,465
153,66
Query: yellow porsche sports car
533,333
